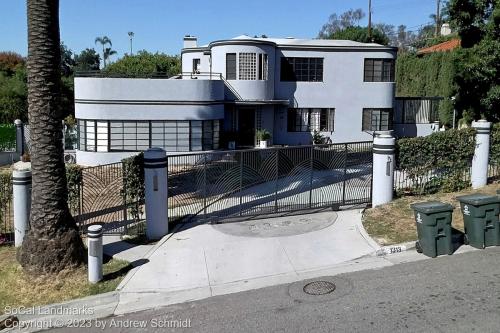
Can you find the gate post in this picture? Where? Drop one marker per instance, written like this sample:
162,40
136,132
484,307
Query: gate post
155,182
19,137
383,168
479,172
21,188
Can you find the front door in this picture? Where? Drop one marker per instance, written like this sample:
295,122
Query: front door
246,127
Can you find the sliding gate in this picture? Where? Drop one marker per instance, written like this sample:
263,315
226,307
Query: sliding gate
241,183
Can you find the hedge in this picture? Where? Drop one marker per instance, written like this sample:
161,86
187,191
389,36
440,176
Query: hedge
133,187
495,144
7,136
429,75
438,162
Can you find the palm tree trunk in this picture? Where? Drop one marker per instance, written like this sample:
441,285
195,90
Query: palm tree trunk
53,242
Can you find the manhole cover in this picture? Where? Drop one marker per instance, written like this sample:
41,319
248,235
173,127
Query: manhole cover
319,288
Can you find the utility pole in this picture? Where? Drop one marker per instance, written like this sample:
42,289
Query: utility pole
131,36
438,18
370,20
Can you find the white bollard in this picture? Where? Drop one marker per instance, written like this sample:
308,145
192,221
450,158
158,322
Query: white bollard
383,168
155,181
94,236
21,188
479,173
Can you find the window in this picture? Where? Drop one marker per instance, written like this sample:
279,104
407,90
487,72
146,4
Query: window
263,66
379,70
196,65
231,66
172,135
302,69
308,120
129,135
247,66
377,119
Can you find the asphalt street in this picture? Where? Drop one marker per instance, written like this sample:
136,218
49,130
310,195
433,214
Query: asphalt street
458,293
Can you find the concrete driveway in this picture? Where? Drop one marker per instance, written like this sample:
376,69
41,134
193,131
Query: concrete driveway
200,261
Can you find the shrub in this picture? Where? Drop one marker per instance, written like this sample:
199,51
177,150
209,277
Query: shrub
445,157
133,184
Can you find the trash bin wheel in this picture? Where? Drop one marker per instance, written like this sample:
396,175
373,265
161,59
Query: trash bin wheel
418,247
466,239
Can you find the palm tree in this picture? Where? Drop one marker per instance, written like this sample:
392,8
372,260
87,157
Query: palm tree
108,52
53,242
104,40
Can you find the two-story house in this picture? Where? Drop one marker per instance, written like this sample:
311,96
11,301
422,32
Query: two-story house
230,88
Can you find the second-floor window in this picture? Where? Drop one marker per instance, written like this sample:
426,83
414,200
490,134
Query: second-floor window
377,119
263,66
231,66
196,65
301,69
310,119
247,66
379,70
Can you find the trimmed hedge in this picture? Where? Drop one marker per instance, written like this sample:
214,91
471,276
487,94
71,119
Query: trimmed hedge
438,162
430,75
133,178
495,144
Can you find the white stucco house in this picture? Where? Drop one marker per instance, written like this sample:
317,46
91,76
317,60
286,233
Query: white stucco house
230,88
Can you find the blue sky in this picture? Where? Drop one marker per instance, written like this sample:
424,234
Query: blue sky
159,25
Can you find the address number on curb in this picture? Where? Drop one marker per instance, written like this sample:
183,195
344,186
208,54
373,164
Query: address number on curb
392,249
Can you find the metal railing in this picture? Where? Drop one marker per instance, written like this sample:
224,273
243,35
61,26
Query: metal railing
219,185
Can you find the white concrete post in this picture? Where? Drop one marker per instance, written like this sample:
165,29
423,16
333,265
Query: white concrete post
383,168
155,181
479,174
19,137
21,188
94,236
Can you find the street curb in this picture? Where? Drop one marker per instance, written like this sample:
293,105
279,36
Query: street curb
39,318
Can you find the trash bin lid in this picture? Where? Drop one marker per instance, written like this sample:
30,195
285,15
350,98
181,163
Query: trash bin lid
429,207
478,199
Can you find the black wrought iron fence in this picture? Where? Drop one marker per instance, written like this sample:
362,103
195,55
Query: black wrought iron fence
218,185
411,182
6,211
102,199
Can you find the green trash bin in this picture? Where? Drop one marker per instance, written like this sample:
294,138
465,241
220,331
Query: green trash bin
433,220
481,224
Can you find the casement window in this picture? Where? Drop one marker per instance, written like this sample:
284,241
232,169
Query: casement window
172,135
231,66
311,119
196,65
301,69
247,66
379,70
377,119
263,66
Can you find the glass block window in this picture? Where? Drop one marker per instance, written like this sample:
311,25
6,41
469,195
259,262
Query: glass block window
231,66
90,142
379,70
311,119
247,66
301,69
82,138
196,135
377,119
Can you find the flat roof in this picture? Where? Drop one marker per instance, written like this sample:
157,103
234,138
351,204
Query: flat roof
295,43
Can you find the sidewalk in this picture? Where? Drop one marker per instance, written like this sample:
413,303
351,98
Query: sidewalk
207,260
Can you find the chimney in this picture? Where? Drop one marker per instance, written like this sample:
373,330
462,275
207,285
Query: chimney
190,41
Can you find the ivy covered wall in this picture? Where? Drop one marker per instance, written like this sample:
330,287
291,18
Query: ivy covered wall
429,75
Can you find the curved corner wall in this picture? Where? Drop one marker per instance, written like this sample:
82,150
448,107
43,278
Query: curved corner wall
118,117
251,89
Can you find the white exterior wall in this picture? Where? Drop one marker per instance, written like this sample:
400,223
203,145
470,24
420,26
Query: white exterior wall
343,88
187,62
248,89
